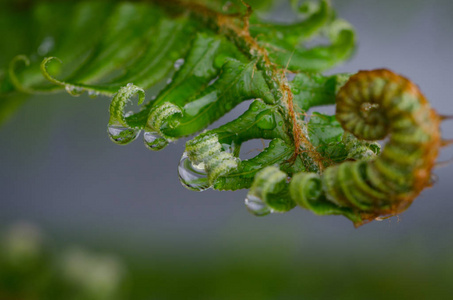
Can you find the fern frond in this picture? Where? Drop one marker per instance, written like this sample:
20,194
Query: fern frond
204,58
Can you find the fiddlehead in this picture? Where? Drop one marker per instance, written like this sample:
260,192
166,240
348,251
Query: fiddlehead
119,129
371,105
269,193
206,154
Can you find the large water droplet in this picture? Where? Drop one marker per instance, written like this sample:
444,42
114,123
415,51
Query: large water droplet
256,206
122,135
154,141
192,177
266,120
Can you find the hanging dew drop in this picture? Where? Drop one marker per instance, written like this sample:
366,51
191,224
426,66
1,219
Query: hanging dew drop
154,141
93,94
74,90
192,177
122,135
69,88
256,206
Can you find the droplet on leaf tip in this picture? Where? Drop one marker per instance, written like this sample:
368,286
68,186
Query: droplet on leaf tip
122,135
192,177
256,206
154,141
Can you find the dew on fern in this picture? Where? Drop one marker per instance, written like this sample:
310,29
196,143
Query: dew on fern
193,177
256,206
122,135
154,141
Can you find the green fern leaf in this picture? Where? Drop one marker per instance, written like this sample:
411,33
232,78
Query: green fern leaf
203,59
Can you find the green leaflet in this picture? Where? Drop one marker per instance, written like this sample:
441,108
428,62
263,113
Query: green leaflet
294,34
189,65
277,153
313,89
192,77
236,83
320,58
269,193
336,145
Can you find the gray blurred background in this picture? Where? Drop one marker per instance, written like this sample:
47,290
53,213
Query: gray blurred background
59,170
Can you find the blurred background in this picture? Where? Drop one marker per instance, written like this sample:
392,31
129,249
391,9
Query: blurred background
121,211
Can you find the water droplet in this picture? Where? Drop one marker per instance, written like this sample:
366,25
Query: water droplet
93,94
129,84
266,120
169,80
74,90
255,106
69,88
192,177
122,135
256,206
179,63
154,141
